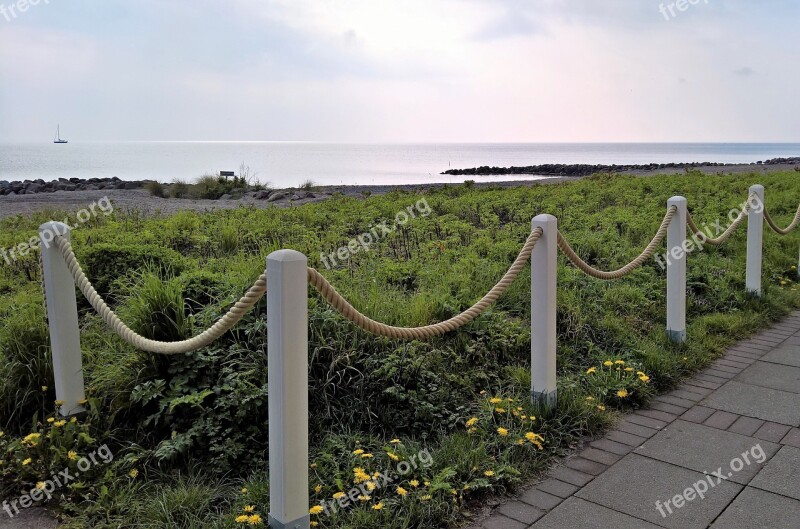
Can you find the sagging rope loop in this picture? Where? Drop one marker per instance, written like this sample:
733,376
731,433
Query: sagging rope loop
203,339
628,268
717,241
788,228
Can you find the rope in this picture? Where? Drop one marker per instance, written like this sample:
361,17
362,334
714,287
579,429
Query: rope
727,233
417,333
628,268
788,228
222,326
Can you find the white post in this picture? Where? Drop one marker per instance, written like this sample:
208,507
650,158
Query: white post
62,319
676,272
544,265
755,234
287,357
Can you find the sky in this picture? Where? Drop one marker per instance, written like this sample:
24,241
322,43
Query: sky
401,70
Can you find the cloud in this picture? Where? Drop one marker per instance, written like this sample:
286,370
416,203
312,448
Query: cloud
745,71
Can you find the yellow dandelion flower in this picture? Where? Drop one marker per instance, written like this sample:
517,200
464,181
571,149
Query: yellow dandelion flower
472,422
133,473
601,407
395,441
254,519
249,508
402,492
358,452
26,462
318,488
495,400
377,506
591,370
316,509
622,393
608,363
242,518
72,455
620,362
414,483
502,432
338,495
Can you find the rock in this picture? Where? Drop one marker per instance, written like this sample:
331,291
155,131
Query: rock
225,197
132,185
276,196
33,188
311,195
295,197
262,195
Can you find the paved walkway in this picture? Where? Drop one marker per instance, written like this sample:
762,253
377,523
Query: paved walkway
720,452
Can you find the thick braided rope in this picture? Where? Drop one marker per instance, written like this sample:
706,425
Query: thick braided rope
788,228
222,326
724,235
417,333
628,268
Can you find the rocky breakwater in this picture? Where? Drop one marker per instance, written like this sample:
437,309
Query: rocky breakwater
32,187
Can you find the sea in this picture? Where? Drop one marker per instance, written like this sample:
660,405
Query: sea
287,164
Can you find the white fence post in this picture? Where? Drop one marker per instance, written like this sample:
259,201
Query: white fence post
676,272
62,319
544,338
287,357
755,235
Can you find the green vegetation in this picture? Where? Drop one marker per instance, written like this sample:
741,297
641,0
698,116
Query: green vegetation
189,432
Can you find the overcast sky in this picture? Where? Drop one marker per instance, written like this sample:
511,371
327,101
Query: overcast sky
401,70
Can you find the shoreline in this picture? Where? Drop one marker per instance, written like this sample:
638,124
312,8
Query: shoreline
127,196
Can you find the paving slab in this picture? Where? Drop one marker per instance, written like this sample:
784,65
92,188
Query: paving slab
786,354
636,483
782,474
705,449
775,376
576,513
755,508
34,518
755,401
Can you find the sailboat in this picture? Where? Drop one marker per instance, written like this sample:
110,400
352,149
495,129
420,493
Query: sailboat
58,136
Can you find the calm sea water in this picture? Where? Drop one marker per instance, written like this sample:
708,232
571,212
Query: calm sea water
290,163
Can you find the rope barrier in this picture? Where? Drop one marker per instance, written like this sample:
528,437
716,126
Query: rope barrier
628,268
417,333
727,233
341,305
208,336
775,227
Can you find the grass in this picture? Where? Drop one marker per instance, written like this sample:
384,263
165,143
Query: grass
189,432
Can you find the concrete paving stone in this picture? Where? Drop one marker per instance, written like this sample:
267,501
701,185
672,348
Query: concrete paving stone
772,432
733,357
785,354
675,400
696,390
703,383
690,394
792,438
584,465
498,521
721,419
521,512
794,340
755,401
781,475
718,374
775,376
705,449
747,352
576,513
714,380
698,414
625,438
636,429
751,347
32,518
755,508
668,408
770,336
571,476
557,487
540,499
746,426
612,446
657,415
600,456
719,366
646,421
636,483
